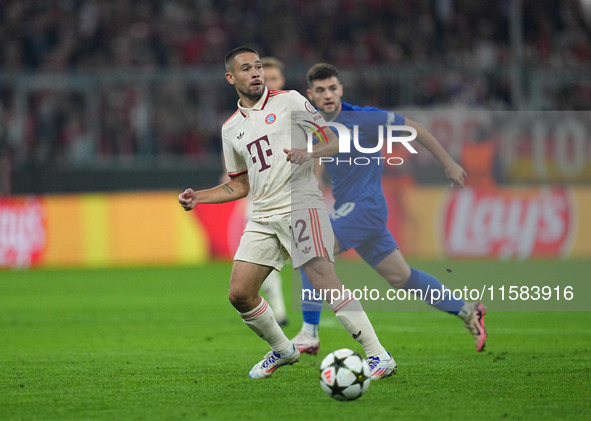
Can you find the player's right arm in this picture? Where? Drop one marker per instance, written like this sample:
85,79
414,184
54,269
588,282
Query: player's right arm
236,188
454,172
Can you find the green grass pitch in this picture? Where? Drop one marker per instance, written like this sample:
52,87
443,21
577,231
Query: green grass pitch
165,344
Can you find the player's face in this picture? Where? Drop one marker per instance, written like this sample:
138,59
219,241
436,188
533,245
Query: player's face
247,76
326,94
274,78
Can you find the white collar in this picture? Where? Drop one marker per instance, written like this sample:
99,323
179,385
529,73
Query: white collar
258,106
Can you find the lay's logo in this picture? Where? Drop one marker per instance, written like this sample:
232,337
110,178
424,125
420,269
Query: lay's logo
508,224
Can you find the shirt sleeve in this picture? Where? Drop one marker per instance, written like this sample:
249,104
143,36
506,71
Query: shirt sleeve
395,119
233,161
384,117
305,115
370,118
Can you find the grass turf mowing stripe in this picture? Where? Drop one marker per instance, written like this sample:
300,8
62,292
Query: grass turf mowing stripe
164,343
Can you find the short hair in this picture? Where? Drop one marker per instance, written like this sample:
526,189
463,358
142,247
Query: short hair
272,62
321,71
228,60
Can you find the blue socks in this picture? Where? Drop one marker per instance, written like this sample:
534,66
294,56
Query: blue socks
311,306
427,283
418,280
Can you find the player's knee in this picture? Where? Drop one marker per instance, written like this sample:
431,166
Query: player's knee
240,299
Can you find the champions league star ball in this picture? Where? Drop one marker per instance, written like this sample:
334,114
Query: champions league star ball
344,375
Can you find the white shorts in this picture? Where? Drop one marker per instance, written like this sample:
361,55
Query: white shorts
302,234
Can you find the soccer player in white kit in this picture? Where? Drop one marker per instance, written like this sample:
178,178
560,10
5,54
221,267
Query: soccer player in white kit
272,286
264,146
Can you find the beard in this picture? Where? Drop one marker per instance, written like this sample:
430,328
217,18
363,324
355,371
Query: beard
251,94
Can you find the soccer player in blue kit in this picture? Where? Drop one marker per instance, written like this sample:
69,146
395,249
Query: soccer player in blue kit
359,221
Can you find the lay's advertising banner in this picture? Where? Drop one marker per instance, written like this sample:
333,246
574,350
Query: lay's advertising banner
520,223
97,230
492,223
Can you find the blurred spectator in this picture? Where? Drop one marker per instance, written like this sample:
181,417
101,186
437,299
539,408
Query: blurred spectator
399,54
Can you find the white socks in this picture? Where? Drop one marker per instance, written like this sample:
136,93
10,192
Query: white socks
352,316
310,329
348,310
262,322
273,289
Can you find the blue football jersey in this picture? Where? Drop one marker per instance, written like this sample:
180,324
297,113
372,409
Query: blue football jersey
360,180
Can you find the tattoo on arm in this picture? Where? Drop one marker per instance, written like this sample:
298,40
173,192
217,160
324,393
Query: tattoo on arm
227,188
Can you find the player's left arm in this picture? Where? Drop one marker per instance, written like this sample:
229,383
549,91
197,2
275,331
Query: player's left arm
328,148
454,171
305,117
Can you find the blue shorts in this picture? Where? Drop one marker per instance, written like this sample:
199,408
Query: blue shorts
364,229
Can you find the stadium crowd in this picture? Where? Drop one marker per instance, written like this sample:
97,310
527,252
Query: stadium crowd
397,53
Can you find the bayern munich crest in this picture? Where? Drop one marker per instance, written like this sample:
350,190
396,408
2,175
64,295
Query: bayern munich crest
270,119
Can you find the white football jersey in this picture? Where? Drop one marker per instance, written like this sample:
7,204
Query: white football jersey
253,142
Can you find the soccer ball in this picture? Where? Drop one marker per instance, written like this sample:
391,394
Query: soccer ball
344,375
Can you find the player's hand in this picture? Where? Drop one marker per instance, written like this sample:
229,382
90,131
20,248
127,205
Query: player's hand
187,199
455,173
297,156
